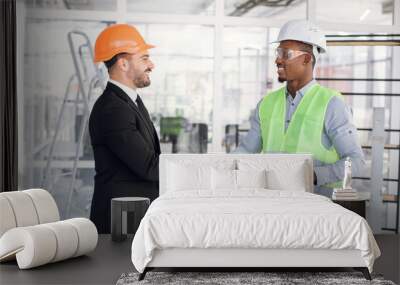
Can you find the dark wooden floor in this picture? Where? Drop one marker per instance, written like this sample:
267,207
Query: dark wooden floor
110,260
389,262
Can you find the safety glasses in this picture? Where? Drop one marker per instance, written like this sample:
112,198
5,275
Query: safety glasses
288,54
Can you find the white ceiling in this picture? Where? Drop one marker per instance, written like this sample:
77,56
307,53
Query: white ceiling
352,11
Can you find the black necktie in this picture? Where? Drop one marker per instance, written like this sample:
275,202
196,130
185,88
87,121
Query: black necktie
142,108
145,114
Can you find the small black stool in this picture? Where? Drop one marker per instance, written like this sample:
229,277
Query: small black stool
127,211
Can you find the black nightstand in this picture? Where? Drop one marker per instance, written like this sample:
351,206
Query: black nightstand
357,205
126,214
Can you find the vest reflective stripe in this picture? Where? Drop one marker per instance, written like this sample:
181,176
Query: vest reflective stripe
304,132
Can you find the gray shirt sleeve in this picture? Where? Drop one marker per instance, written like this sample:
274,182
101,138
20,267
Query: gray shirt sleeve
342,134
251,143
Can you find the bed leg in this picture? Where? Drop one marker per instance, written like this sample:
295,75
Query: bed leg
143,274
364,271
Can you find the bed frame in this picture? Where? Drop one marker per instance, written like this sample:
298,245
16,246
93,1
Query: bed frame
244,259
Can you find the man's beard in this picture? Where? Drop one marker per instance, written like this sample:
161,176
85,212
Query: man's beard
281,79
143,81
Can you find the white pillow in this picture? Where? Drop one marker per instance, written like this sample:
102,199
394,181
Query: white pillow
184,174
188,177
291,179
281,173
227,179
223,179
251,178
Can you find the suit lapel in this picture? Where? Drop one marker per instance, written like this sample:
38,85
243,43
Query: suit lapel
142,108
143,111
120,93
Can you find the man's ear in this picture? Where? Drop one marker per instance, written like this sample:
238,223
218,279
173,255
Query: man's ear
122,63
308,59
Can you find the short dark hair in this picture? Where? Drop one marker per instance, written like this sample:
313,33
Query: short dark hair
109,63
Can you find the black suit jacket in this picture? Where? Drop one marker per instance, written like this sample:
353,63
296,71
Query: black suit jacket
126,153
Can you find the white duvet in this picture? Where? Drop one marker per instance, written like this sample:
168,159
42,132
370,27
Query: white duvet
250,219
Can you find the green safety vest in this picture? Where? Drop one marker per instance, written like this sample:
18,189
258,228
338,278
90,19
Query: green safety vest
304,131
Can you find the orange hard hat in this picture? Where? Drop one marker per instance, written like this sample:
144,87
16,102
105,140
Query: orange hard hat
119,38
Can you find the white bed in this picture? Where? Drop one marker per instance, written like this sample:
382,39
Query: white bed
215,211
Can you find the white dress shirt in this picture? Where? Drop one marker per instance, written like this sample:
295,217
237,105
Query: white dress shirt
129,91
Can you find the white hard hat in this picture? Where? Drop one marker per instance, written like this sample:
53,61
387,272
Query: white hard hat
303,31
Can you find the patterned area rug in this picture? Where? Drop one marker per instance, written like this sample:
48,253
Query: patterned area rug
229,278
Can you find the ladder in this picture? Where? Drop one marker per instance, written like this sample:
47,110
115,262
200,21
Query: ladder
86,82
